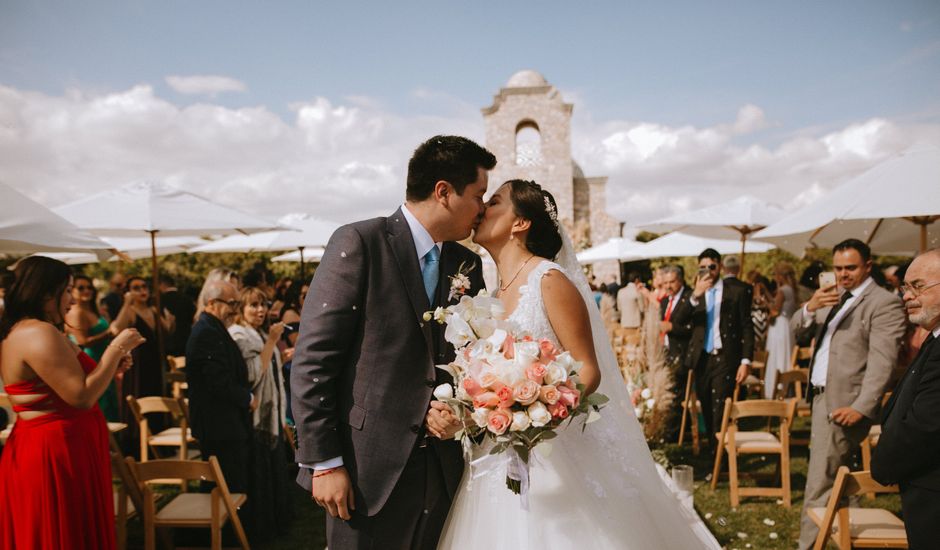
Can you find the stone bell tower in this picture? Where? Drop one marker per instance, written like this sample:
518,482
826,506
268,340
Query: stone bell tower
528,128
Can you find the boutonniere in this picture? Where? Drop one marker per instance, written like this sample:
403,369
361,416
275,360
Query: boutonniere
460,281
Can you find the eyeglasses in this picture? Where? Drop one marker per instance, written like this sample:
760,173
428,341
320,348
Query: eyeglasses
917,288
711,267
229,303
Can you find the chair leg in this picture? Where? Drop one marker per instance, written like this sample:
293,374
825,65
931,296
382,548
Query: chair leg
685,414
785,477
693,419
733,476
720,447
866,461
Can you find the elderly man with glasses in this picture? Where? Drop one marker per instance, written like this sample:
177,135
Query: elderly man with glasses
908,451
220,398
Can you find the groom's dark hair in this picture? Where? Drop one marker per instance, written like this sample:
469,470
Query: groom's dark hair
450,158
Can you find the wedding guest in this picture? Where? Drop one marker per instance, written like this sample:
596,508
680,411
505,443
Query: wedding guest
730,267
676,324
779,337
631,305
722,344
146,378
183,309
761,303
269,473
85,326
809,281
908,451
218,274
293,305
891,278
56,467
114,299
220,399
858,327
280,291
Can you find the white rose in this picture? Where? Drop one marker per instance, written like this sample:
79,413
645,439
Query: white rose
444,391
539,414
555,374
646,393
439,315
638,411
567,362
458,332
520,421
650,403
525,353
462,394
480,416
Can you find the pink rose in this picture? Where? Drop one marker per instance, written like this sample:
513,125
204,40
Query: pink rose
509,347
571,384
499,421
559,410
472,388
569,396
526,392
505,395
485,400
535,372
549,351
549,395
527,338
489,381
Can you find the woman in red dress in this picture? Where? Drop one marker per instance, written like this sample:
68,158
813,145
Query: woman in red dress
55,471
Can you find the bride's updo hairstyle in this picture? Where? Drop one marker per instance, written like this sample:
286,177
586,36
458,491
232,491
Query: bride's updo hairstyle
537,205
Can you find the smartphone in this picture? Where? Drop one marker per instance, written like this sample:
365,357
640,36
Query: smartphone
704,272
827,279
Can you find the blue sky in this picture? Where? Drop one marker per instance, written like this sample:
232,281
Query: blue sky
812,68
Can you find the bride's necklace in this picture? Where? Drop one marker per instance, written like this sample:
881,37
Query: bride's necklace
511,281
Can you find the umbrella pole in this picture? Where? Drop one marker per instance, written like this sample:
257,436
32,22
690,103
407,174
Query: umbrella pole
743,240
303,275
923,222
161,353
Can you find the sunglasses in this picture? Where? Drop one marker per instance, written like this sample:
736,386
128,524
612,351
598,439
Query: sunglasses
230,303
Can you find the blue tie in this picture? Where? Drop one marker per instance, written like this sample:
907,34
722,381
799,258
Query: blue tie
710,320
431,272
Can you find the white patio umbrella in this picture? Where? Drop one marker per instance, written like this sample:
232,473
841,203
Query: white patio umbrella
679,244
308,232
130,248
736,219
893,207
616,248
152,208
27,227
312,254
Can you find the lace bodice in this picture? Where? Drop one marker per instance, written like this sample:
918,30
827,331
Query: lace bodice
530,316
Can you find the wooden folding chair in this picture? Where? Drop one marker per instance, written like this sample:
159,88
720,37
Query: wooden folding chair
857,527
176,376
870,442
179,437
790,384
210,510
690,413
800,355
737,442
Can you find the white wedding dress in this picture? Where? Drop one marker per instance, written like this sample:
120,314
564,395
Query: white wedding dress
594,490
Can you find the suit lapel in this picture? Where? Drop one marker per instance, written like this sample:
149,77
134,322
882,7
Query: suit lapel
911,371
403,247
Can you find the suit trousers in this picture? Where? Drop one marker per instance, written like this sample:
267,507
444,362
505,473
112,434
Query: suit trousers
830,447
714,382
921,509
411,519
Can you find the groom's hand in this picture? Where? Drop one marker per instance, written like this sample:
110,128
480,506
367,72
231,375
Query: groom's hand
334,492
441,420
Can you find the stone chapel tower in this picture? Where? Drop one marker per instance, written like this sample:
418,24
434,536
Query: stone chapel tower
528,128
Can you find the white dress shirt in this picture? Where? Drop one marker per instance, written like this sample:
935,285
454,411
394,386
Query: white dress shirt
719,287
423,243
670,305
821,363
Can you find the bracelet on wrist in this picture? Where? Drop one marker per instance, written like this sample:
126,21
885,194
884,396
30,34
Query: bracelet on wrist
328,471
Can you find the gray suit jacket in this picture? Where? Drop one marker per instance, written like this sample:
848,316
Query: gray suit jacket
863,350
363,370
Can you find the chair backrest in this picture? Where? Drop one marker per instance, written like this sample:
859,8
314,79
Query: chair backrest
185,470
176,362
800,354
847,484
5,403
790,379
761,407
141,406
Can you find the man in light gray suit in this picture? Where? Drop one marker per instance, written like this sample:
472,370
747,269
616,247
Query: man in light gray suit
858,332
364,366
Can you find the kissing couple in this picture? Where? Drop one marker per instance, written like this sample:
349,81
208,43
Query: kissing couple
377,451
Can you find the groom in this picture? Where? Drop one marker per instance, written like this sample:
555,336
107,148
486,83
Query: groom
363,371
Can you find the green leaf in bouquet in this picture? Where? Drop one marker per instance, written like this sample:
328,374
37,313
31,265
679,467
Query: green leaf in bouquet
523,452
597,399
498,448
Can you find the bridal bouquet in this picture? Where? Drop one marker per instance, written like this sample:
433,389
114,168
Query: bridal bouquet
508,387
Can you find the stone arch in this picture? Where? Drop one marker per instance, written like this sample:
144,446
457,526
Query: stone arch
528,143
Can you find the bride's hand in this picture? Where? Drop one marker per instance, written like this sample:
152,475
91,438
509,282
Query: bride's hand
441,421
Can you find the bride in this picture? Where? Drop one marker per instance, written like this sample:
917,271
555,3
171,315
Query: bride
595,489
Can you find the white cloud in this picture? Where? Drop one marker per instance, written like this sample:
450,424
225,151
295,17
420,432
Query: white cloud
656,170
347,160
211,85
